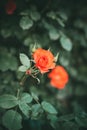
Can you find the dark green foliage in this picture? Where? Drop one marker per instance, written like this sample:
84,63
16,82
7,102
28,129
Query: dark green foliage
58,25
12,120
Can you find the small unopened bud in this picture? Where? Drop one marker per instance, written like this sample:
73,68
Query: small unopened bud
34,47
28,72
56,57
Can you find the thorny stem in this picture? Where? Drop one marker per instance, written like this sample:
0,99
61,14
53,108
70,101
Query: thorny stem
32,60
36,72
18,92
26,76
33,67
33,73
37,101
23,80
36,78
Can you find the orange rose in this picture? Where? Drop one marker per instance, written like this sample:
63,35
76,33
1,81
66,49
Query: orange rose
44,60
59,77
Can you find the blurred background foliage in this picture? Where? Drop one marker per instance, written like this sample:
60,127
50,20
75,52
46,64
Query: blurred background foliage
60,25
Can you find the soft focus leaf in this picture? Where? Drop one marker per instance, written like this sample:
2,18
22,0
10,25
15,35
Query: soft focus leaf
53,120
24,60
6,33
81,117
70,126
12,120
60,21
48,108
22,68
26,23
36,110
34,96
35,15
51,14
25,109
63,15
26,98
54,35
7,61
66,117
66,43
8,101
82,121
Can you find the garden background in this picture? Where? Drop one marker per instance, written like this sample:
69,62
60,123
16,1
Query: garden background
60,25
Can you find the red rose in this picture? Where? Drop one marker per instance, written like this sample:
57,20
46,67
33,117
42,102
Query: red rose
10,7
59,77
44,60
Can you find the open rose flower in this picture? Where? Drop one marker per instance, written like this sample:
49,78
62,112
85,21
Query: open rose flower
59,77
44,60
10,7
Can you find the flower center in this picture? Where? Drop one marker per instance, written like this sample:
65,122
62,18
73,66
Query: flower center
43,61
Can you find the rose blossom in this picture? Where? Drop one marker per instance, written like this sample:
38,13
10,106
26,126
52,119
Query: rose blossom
59,77
44,60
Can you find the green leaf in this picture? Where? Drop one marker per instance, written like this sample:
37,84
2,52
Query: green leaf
26,23
35,15
26,98
81,119
34,96
7,61
28,41
25,60
48,108
22,68
6,33
52,117
70,126
8,101
36,111
51,15
80,115
53,120
25,109
66,117
12,120
66,43
53,34
60,21
63,16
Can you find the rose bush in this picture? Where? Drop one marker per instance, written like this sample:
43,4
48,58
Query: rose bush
27,100
59,77
44,60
